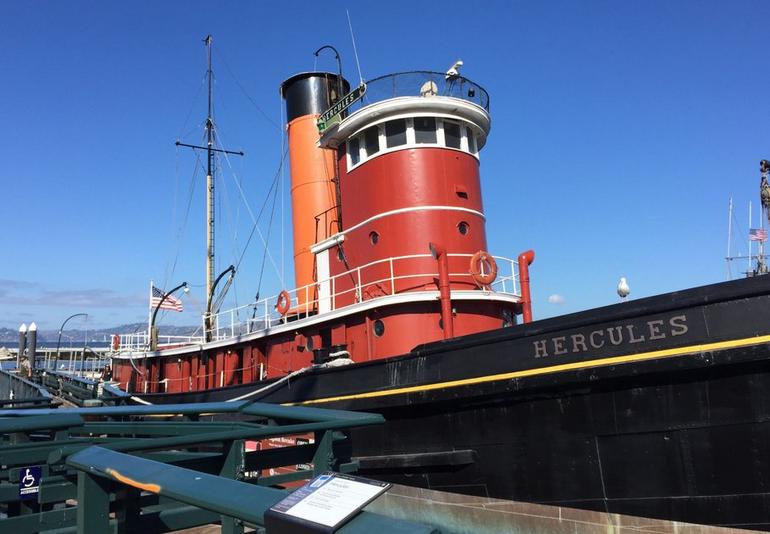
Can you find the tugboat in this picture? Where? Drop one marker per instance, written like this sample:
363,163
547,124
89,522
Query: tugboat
656,407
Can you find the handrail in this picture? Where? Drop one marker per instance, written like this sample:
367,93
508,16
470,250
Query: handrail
417,83
362,283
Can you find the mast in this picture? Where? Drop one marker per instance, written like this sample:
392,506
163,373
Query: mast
209,184
210,150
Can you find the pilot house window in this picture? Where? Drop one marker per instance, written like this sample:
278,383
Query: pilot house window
372,140
395,133
425,130
353,150
411,132
452,134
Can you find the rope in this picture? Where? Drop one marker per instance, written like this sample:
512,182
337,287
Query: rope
248,97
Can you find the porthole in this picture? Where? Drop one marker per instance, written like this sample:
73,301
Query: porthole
374,238
309,343
463,227
379,328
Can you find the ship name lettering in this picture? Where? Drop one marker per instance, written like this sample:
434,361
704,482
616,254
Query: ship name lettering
631,338
678,326
594,344
614,335
578,339
558,345
654,327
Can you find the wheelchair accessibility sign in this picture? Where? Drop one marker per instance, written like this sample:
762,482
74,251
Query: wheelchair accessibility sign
29,482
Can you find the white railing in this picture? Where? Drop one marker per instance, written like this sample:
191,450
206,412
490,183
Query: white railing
351,287
141,341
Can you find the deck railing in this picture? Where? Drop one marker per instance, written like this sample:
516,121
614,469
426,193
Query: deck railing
377,279
351,287
422,83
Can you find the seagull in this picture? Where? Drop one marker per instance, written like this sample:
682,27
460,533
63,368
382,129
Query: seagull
623,289
454,70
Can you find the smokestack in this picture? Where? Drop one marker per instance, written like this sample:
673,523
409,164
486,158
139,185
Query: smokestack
313,169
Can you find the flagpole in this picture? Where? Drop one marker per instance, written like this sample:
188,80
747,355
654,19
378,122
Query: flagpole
748,271
729,237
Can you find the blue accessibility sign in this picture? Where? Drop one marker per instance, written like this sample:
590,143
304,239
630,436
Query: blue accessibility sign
29,482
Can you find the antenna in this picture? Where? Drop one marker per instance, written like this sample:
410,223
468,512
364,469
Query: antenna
355,50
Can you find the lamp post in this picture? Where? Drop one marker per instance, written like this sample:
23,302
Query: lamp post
153,331
210,300
61,329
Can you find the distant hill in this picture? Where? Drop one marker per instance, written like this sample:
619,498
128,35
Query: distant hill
9,335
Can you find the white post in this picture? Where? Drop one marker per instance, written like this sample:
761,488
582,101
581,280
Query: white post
149,313
750,244
729,236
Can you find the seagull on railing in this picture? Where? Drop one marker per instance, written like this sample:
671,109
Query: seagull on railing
454,70
623,289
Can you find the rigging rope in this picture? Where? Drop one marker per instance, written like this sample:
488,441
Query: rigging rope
245,93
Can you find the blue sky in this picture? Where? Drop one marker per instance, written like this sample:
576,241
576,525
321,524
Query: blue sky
620,130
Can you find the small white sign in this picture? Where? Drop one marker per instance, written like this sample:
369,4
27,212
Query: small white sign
331,498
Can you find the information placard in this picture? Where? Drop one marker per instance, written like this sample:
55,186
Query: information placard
322,505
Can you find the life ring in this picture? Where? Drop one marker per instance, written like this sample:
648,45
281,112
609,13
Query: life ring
283,302
115,342
477,261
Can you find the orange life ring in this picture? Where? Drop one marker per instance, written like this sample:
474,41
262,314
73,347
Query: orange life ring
115,342
283,302
477,261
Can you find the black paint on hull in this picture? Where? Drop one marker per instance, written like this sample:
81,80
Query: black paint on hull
675,425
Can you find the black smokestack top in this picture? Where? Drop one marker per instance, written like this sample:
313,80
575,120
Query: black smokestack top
312,93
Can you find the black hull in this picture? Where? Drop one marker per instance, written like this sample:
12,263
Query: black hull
658,407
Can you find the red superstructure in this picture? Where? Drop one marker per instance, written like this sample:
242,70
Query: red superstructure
389,241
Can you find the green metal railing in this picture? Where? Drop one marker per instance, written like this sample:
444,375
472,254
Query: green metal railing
163,468
18,392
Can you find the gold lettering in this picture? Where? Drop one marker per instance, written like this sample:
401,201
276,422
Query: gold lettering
540,349
631,338
619,331
654,327
579,339
558,345
594,344
678,326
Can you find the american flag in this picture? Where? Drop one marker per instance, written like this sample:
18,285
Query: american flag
171,302
757,234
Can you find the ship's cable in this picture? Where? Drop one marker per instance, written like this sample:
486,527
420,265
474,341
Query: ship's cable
334,363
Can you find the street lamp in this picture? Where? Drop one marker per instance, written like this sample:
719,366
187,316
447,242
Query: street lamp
153,331
61,329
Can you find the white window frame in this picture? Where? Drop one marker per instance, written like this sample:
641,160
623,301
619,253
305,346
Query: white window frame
410,138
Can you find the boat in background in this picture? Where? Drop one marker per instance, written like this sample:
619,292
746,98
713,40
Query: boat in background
656,407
